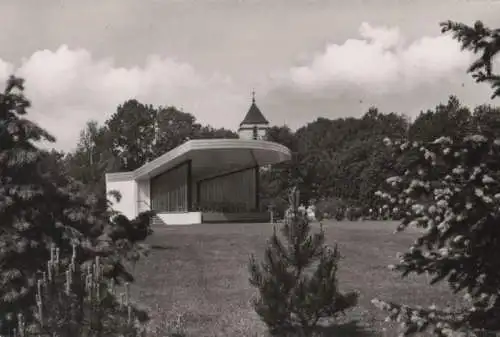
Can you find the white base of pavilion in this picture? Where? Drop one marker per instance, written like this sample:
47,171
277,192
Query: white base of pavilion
178,219
195,218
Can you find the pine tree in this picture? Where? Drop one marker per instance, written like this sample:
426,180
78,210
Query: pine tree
297,280
41,206
478,39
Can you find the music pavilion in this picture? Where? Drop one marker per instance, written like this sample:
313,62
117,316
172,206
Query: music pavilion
203,180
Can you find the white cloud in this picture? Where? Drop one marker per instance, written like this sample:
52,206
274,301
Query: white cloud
67,87
382,62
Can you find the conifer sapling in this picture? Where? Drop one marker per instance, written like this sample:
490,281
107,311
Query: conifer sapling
297,280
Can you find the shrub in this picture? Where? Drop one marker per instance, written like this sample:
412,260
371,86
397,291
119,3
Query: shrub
332,207
353,213
450,188
277,204
297,281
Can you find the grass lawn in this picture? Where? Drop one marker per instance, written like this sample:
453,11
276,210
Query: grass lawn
201,272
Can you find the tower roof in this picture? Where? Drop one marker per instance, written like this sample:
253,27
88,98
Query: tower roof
254,115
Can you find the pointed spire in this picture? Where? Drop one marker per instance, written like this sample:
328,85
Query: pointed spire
254,115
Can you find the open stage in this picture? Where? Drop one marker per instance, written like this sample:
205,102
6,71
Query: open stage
200,181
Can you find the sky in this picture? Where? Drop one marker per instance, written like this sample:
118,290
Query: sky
304,58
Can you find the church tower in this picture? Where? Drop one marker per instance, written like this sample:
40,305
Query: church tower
254,125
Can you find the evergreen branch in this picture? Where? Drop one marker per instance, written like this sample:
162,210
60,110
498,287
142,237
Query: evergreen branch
480,40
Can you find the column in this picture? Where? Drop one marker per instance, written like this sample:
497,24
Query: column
257,187
189,185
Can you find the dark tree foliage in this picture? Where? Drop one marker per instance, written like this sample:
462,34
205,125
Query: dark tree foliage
91,159
486,120
339,159
40,205
297,281
138,133
451,119
344,160
132,131
277,180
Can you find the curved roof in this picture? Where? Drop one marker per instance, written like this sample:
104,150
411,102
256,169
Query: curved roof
211,156
254,115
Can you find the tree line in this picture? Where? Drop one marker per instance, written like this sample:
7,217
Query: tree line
345,160
340,162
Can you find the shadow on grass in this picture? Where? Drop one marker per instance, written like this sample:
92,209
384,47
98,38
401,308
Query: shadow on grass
351,329
162,247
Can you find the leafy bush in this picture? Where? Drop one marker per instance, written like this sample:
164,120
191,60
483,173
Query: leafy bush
297,281
353,213
331,208
450,188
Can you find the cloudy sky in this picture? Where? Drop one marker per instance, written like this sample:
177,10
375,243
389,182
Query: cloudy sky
304,58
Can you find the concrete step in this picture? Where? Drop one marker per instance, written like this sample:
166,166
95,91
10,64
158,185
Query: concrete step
156,221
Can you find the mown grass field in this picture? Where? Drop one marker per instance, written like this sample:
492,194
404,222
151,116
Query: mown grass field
201,273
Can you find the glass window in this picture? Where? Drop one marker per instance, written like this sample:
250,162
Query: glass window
169,191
